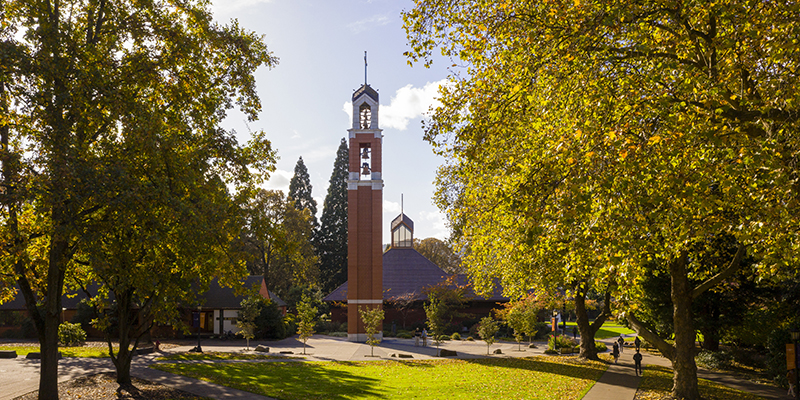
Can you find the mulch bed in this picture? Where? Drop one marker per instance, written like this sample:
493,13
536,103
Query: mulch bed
105,386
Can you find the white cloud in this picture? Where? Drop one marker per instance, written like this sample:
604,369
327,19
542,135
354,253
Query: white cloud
226,7
368,23
409,103
279,180
391,207
436,222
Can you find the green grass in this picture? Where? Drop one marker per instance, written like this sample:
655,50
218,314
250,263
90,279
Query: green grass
656,383
83,352
609,329
492,378
213,355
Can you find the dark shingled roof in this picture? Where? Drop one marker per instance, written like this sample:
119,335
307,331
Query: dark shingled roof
407,271
218,297
366,89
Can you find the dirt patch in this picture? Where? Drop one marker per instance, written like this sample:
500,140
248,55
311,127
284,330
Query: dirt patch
105,386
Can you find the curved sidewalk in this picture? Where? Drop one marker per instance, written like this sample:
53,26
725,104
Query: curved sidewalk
620,382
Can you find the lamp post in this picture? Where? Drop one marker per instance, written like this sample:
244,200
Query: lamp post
199,349
795,337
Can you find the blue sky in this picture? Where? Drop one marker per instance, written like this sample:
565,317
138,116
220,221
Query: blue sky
321,44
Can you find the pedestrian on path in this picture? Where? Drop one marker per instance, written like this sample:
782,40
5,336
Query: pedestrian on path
424,337
615,352
791,377
637,343
416,337
637,362
574,332
621,342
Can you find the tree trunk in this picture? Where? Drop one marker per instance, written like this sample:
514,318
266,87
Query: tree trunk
122,360
587,331
683,365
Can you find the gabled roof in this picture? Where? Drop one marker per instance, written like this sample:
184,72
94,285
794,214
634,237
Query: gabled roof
406,271
366,89
403,219
219,297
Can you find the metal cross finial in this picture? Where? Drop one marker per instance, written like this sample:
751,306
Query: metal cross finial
365,68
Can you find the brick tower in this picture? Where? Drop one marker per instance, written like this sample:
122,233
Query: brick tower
364,212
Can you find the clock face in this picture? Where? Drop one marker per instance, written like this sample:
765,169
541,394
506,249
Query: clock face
366,116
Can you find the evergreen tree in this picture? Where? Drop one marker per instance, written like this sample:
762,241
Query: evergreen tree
300,191
333,229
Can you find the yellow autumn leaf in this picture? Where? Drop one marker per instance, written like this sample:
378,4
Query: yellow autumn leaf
655,139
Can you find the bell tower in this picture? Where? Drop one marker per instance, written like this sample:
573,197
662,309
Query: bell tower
364,211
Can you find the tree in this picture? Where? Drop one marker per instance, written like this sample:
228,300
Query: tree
84,86
246,321
515,318
440,253
436,313
487,329
372,319
332,247
300,191
635,130
306,313
278,238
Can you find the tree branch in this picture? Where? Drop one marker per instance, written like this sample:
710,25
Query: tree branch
665,348
734,265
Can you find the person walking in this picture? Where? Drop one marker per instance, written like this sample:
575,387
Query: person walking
637,362
638,343
615,352
621,342
416,337
424,337
574,332
790,376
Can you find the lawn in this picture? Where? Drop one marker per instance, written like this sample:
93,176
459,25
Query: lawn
656,384
215,356
491,378
81,351
609,329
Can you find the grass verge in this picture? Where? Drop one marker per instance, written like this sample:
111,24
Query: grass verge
656,384
84,352
215,356
500,378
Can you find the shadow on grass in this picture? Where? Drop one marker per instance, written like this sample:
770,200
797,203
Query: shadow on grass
567,366
292,380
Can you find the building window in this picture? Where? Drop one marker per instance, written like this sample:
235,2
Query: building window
401,237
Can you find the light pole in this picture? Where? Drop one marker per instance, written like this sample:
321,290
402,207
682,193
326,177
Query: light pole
199,349
795,337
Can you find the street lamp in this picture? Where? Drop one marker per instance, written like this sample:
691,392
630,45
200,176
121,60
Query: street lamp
795,337
199,349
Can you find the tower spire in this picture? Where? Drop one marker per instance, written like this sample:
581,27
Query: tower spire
365,68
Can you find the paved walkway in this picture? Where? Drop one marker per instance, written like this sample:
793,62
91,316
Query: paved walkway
19,376
620,382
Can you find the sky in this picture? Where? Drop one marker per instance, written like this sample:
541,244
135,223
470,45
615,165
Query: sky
306,97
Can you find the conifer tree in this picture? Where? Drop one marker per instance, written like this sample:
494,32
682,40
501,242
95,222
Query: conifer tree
333,229
300,191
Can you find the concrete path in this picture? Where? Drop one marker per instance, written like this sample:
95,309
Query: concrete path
620,382
19,376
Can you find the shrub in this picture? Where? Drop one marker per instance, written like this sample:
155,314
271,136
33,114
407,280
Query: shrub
600,347
559,342
405,335
714,359
548,351
455,336
270,324
71,334
442,338
471,339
